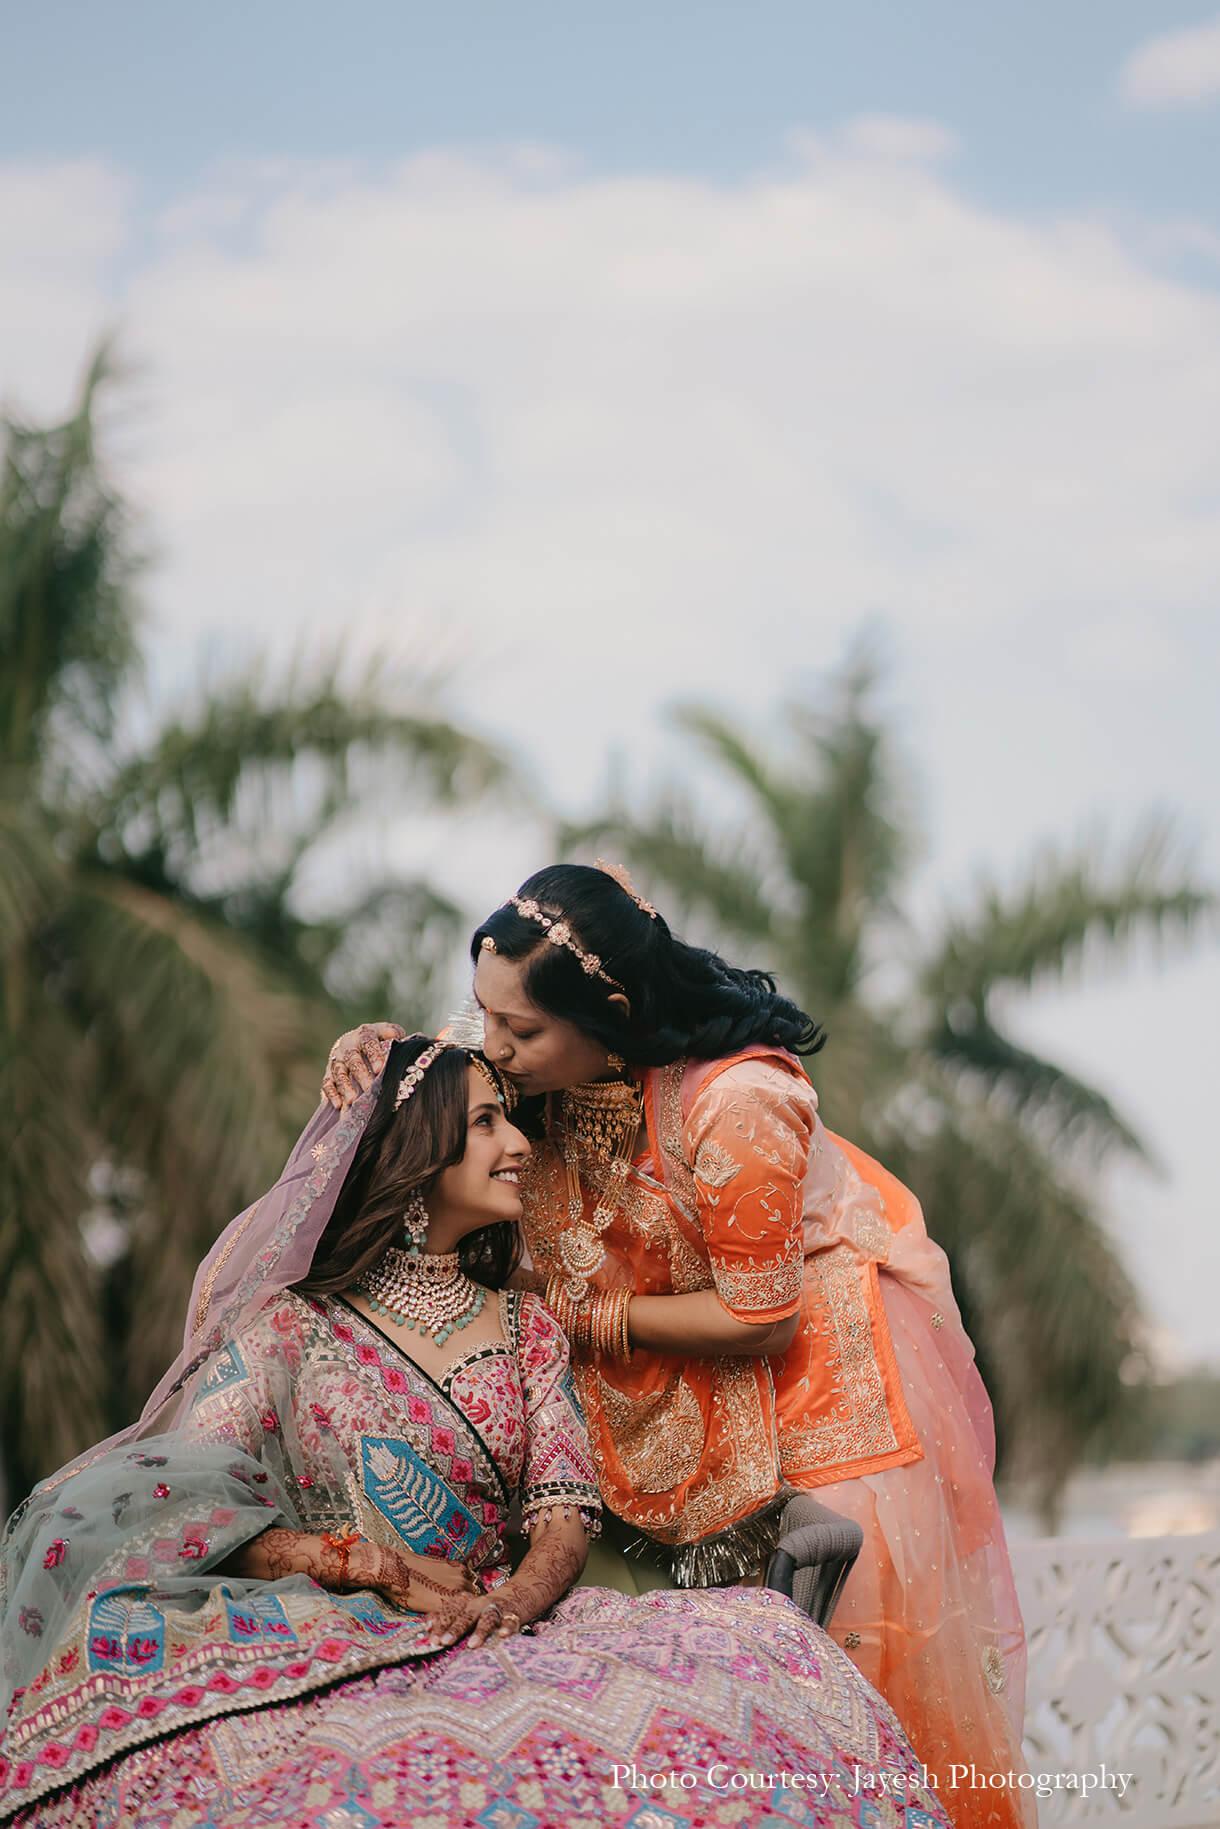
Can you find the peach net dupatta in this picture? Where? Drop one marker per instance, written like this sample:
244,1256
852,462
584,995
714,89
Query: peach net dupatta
930,1613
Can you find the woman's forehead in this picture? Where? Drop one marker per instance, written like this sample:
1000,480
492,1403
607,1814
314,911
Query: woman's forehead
499,991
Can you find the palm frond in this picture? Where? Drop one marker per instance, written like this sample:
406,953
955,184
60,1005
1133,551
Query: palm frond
244,739
32,877
693,874
1052,1312
200,1058
725,744
393,953
52,1396
1042,928
67,631
1062,1110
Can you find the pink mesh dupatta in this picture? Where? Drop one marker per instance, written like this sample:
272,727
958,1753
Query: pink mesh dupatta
262,1252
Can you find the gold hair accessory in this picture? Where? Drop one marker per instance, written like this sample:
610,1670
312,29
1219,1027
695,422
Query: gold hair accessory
622,877
506,1094
416,1071
559,933
487,944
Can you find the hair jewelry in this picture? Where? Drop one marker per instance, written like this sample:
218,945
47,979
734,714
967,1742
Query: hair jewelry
622,876
416,1071
559,933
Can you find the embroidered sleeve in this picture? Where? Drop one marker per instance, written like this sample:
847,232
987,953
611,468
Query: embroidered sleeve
748,1137
558,1463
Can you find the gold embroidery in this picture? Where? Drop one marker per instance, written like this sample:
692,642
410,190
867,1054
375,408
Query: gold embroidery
937,1321
750,1475
993,1670
714,1166
687,1270
205,1294
771,1286
859,1426
659,1439
872,1233
672,1126
644,1210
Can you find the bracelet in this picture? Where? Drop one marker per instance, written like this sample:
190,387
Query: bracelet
597,1326
344,1547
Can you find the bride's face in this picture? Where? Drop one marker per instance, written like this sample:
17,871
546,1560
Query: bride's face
536,1051
483,1187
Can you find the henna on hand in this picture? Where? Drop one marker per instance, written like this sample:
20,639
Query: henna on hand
406,1580
356,1059
279,1552
477,1614
551,1565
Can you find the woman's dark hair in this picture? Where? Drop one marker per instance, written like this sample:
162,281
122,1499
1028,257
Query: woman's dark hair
400,1151
684,999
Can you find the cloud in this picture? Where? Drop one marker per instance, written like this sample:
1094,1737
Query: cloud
628,439
900,138
1178,67
60,226
572,416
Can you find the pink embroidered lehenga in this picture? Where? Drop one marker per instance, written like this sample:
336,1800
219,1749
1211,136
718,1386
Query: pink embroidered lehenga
144,1686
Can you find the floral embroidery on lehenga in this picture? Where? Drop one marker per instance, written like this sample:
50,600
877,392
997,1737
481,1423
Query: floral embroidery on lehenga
159,1640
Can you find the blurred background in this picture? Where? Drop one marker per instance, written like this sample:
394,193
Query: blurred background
774,447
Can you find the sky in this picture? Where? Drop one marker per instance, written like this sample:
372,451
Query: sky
624,356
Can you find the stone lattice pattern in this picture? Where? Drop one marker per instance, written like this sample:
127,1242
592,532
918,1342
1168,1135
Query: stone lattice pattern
1124,1669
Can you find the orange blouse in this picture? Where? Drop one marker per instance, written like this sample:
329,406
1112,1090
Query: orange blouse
685,1448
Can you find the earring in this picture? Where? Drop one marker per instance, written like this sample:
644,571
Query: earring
415,1224
615,1063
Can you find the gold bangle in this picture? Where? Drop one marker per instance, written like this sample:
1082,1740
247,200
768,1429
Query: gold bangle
605,1320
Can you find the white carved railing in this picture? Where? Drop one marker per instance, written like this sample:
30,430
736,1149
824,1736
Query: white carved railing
1124,1678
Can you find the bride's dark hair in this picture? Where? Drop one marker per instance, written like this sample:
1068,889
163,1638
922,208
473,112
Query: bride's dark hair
402,1150
684,999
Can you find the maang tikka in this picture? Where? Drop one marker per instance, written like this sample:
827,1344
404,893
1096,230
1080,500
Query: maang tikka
415,1224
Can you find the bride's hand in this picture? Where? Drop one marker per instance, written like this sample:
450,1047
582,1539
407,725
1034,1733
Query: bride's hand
356,1059
417,1584
483,1616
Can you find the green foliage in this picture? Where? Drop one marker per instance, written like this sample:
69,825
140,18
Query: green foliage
998,1142
166,1000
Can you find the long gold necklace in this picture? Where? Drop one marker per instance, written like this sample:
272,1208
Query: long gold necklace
602,1120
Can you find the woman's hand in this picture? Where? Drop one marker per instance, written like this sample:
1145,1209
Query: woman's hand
551,1565
482,1616
415,1584
356,1059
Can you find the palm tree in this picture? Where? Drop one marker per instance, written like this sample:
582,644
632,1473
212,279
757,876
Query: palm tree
162,990
1001,1145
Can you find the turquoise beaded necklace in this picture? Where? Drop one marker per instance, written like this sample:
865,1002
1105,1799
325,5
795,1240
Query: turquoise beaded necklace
430,1292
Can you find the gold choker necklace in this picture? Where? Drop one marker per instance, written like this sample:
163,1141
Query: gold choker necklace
603,1117
431,1292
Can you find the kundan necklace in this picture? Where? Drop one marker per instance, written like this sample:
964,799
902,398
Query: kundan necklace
430,1291
601,1119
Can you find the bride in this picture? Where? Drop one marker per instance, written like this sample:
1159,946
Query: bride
283,1597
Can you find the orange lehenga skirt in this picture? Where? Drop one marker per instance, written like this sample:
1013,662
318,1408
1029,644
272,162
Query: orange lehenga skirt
929,1613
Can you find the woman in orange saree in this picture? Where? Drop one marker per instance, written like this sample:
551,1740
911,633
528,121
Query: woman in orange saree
754,1308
